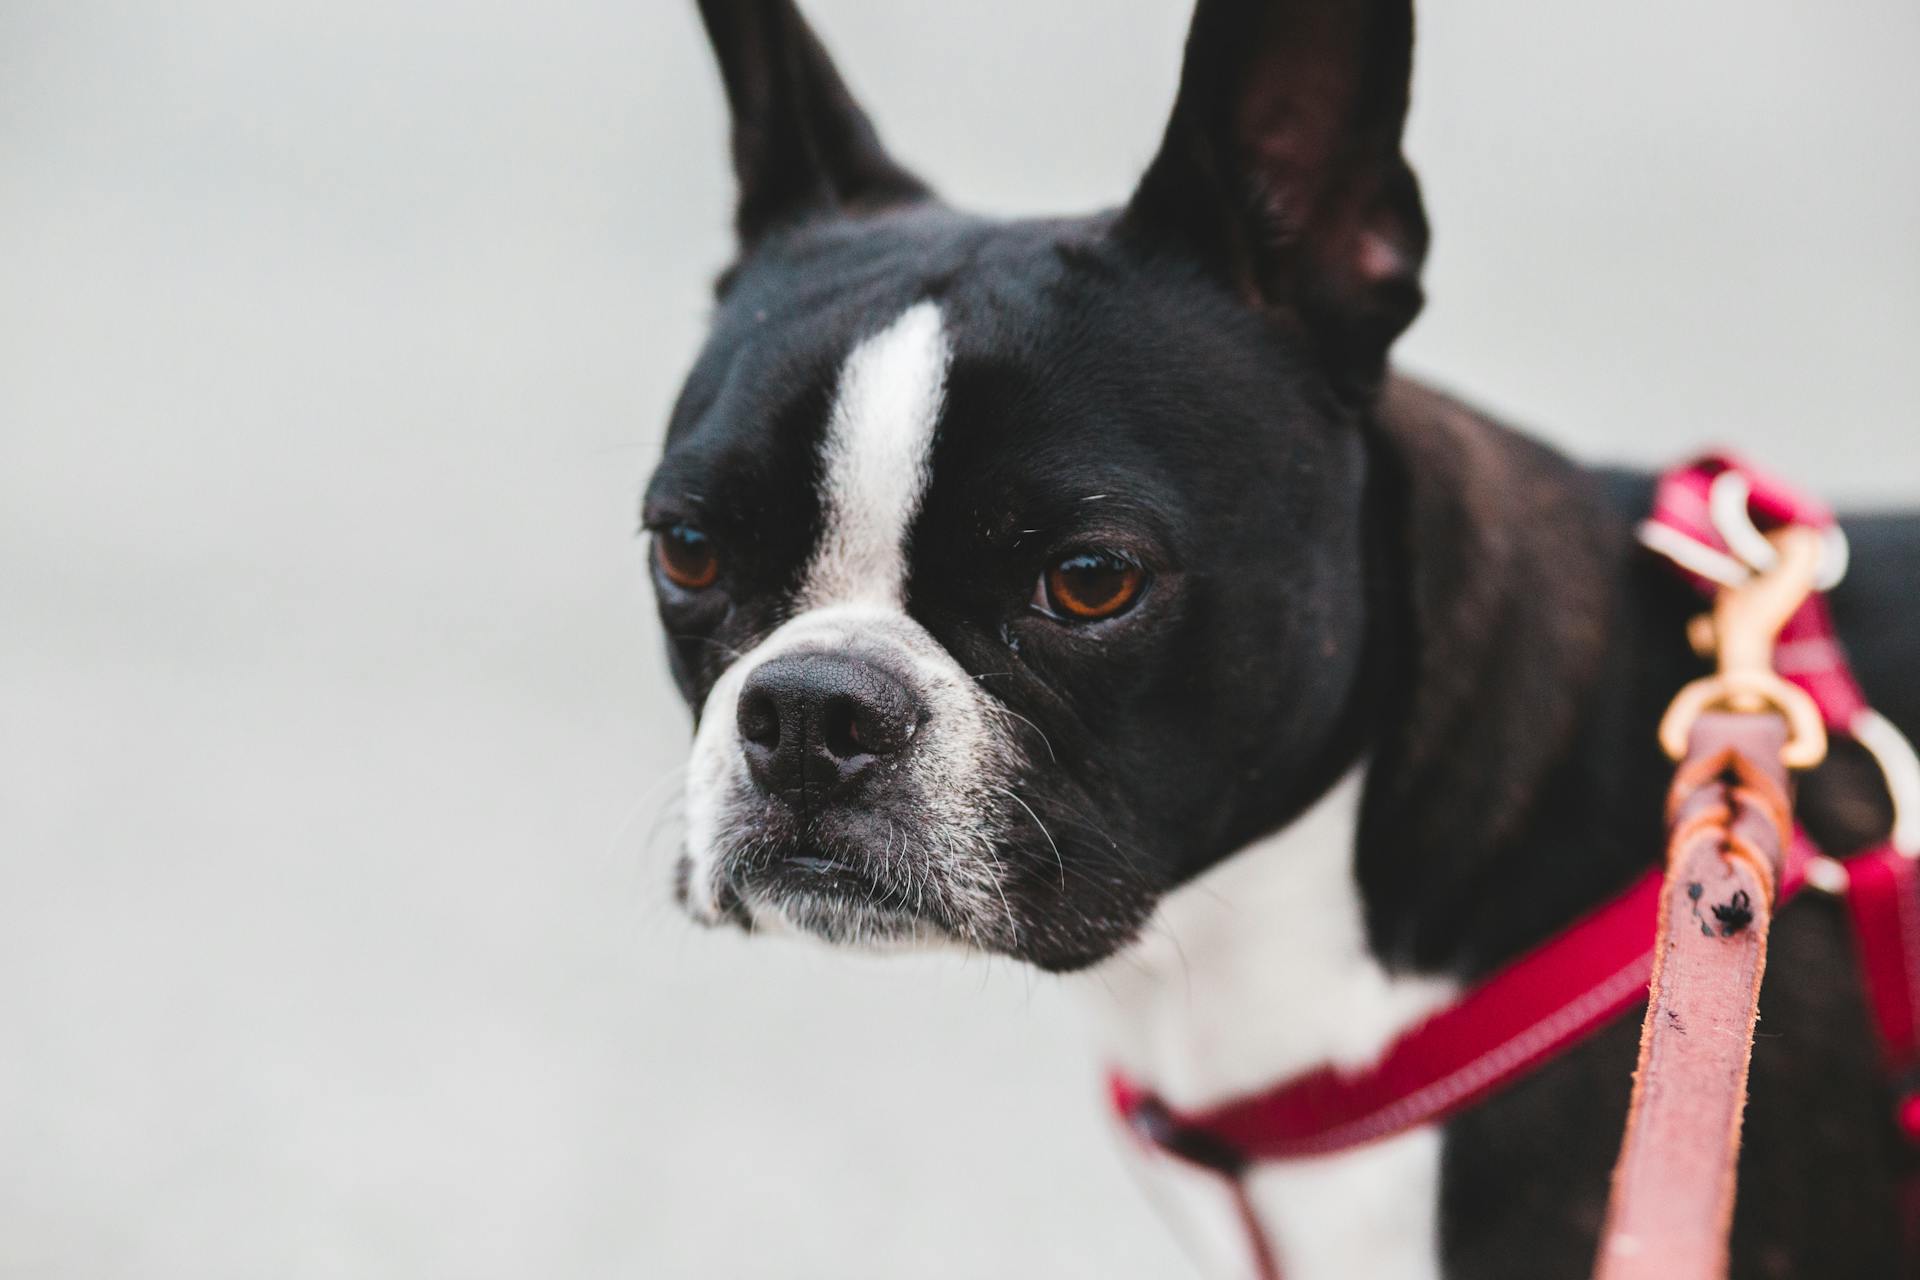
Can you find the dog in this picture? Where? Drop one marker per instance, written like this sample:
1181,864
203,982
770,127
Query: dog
1091,591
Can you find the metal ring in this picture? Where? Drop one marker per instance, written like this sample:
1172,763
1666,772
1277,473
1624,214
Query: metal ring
1833,565
1901,768
1691,554
1729,500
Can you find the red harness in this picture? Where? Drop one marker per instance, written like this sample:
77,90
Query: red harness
1706,519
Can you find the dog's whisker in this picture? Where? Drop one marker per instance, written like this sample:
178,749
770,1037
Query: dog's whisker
1052,755
1014,796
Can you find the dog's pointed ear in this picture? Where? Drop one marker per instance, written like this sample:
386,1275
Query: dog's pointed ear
1281,166
801,144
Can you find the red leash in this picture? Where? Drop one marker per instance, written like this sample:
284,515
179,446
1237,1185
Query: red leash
1710,518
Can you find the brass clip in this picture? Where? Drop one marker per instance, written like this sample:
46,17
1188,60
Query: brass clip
1741,632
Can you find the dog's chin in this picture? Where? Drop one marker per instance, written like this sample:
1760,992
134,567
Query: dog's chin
843,922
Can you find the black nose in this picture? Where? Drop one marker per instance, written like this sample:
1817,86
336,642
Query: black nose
812,725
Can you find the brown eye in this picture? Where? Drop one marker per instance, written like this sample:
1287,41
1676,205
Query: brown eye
687,557
1090,585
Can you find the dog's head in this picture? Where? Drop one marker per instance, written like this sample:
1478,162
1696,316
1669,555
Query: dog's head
1017,571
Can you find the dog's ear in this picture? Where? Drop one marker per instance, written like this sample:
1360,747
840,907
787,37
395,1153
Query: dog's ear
1281,166
801,145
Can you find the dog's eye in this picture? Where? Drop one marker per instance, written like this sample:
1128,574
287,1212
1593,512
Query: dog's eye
687,557
1088,586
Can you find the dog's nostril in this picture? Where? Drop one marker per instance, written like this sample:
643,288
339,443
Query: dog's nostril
884,726
840,728
760,721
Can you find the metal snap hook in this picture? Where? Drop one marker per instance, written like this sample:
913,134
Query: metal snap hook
1740,633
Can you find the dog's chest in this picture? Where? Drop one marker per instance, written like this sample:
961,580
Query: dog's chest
1250,975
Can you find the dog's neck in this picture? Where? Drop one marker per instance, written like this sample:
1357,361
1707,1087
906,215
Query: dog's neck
1259,969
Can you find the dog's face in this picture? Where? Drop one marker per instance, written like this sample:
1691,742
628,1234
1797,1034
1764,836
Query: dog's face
1016,572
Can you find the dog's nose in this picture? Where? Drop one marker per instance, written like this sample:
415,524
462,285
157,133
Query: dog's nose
812,725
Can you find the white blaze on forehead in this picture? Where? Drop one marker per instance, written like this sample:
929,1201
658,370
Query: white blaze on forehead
875,462
876,458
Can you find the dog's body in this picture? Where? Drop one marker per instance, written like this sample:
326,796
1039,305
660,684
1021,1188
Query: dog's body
1031,581
1517,1187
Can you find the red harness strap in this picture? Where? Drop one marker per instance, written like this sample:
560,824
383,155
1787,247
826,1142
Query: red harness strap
1576,982
1883,895
1537,1006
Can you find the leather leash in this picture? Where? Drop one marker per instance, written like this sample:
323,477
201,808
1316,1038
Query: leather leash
1730,822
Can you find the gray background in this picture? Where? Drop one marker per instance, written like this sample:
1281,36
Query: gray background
335,749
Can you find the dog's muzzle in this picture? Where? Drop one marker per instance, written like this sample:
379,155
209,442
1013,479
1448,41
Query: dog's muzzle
845,782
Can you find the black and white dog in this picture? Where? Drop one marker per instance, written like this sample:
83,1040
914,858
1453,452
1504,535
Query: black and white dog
1088,591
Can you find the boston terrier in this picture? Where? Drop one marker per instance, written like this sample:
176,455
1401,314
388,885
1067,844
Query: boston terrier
1090,591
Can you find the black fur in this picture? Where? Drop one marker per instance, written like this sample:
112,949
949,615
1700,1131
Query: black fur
1343,564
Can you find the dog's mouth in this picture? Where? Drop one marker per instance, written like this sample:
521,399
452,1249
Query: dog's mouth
831,896
808,888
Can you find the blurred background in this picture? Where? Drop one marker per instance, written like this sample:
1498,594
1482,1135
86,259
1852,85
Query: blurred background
337,759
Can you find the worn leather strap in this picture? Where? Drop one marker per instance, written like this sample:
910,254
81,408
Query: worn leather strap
1729,823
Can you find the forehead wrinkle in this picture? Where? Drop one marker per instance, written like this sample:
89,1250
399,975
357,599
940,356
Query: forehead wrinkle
876,459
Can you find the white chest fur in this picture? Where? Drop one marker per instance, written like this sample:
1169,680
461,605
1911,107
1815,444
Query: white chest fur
1253,973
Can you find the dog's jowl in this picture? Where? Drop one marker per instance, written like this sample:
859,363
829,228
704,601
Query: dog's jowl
1090,591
